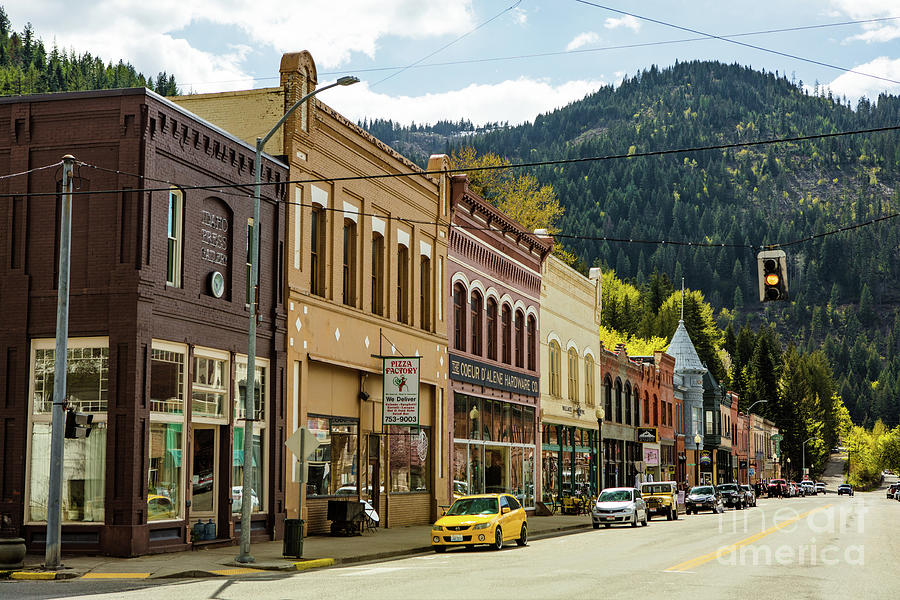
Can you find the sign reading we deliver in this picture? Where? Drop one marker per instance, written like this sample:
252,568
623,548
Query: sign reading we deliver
400,390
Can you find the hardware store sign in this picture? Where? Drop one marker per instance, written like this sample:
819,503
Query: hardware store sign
400,381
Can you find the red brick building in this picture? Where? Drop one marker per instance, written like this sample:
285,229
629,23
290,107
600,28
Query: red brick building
157,326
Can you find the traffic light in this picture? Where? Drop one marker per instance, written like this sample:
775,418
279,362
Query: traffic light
773,283
78,425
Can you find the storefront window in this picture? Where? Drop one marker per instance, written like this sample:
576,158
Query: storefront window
261,394
334,467
210,387
87,374
460,470
409,459
165,487
257,473
84,475
167,381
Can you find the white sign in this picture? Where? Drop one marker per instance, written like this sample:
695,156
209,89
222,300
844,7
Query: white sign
400,386
303,444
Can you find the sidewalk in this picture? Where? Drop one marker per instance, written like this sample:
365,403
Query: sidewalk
318,551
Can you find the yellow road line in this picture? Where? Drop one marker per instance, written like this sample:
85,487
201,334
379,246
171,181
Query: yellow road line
702,560
237,571
115,576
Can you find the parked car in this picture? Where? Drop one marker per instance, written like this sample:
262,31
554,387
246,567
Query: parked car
732,495
777,487
703,497
808,487
619,505
820,487
749,494
237,495
661,498
845,488
892,489
492,519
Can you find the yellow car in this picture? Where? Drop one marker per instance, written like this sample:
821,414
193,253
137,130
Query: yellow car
159,508
483,519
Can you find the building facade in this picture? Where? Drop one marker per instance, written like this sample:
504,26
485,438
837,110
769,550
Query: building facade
688,383
660,412
158,319
571,410
365,262
494,282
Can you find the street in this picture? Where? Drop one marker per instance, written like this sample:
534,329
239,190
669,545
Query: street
813,547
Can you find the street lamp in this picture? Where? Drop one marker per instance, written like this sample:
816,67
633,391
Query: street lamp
749,420
697,441
803,473
249,397
788,461
600,414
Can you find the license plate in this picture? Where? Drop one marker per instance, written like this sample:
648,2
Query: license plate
609,518
456,538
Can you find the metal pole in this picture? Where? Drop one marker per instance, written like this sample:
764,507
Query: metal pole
250,395
58,429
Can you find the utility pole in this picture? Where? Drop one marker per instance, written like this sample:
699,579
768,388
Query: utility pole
58,428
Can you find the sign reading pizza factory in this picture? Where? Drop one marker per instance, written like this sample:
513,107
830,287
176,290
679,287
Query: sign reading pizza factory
400,388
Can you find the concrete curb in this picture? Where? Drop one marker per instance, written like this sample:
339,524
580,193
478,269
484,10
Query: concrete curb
38,575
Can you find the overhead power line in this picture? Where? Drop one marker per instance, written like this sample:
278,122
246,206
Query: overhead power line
739,43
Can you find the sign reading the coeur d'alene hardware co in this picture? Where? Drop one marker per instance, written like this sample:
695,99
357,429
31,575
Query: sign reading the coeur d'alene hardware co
400,390
479,373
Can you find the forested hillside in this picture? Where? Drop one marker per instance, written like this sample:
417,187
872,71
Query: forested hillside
26,67
845,288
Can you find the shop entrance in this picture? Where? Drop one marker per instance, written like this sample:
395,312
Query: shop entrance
204,472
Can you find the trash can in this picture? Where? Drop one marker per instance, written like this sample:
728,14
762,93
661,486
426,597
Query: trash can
293,538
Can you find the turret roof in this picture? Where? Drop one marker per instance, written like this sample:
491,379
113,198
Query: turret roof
682,348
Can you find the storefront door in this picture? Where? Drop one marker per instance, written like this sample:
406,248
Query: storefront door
204,472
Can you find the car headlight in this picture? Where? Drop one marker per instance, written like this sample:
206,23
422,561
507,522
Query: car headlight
437,528
482,526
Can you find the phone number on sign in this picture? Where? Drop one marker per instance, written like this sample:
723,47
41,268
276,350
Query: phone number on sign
401,420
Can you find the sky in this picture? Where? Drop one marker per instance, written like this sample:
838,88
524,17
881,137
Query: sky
481,60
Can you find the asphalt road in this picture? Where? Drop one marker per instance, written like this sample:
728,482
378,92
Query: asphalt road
817,547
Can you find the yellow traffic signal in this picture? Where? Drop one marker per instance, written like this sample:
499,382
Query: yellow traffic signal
772,266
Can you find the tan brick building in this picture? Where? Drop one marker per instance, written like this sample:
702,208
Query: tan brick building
365,267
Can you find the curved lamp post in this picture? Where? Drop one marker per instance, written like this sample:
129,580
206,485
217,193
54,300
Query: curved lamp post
697,443
249,402
600,414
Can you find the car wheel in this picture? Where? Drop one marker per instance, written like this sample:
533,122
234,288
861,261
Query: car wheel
669,515
675,513
498,539
634,519
439,549
687,511
596,525
523,537
646,519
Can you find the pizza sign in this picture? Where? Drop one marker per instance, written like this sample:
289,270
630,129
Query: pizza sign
400,386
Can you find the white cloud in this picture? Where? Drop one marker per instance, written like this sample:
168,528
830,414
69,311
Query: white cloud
583,39
871,9
515,101
854,86
625,21
520,17
147,34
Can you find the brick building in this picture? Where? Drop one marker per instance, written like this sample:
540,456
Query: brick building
157,326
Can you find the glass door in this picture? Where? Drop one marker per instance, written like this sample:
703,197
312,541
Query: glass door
204,471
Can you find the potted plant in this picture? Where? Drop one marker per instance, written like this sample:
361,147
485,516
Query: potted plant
12,548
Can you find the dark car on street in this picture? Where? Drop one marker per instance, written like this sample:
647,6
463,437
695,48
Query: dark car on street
732,495
702,497
749,494
845,488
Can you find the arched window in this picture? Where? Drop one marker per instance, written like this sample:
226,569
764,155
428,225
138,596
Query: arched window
349,266
317,252
573,374
618,401
377,282
506,326
477,307
646,409
492,329
555,368
532,343
425,292
636,394
403,284
607,397
520,338
655,411
459,317
589,380
628,403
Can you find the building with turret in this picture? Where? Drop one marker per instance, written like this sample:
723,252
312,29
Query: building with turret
689,372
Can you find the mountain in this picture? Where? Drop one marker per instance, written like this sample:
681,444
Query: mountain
845,288
27,68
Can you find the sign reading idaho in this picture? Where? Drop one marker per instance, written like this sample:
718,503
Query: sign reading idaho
400,387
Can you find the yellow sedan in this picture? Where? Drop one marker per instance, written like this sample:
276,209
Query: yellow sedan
483,519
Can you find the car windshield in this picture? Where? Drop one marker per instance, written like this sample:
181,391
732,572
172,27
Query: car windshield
615,496
746,488
660,488
474,506
703,490
727,487
776,481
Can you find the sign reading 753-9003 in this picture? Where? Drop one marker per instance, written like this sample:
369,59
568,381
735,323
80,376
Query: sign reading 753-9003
400,386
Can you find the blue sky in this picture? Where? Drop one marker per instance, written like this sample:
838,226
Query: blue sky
216,45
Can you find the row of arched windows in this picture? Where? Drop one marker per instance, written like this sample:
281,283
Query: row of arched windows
622,401
476,329
572,371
